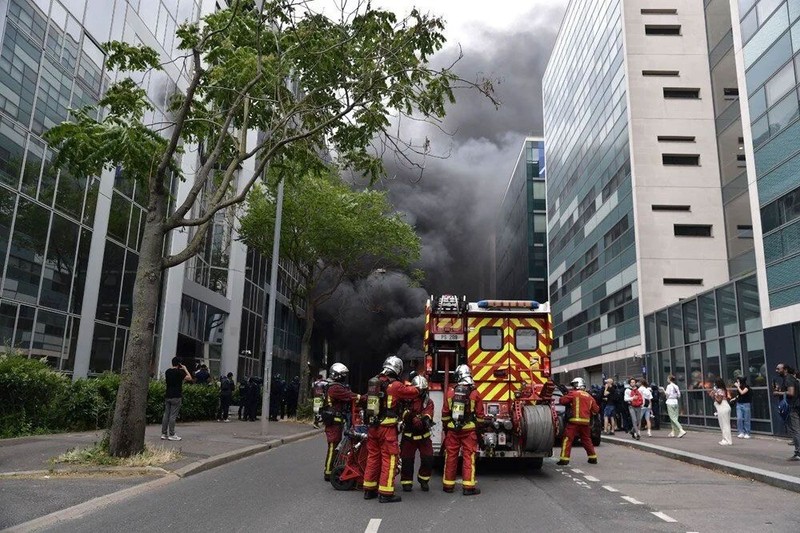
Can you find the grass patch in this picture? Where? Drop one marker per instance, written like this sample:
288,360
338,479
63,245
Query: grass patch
97,455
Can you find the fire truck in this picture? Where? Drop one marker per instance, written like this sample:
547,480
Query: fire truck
507,345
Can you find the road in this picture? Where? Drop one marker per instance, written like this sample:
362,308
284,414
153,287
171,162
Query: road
282,490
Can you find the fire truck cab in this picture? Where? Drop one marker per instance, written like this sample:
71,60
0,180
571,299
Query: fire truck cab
507,346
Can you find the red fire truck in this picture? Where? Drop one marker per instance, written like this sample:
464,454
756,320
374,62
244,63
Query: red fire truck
507,346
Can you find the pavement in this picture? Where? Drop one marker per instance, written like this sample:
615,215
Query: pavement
28,474
761,458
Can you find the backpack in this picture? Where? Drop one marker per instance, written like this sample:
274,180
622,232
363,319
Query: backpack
636,398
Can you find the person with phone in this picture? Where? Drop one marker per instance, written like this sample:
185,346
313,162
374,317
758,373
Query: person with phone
175,377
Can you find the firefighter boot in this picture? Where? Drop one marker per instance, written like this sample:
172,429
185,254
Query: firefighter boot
327,477
562,462
370,494
407,487
474,491
592,460
423,484
390,499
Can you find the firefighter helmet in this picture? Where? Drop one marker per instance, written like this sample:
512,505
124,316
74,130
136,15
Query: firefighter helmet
464,375
578,383
421,383
338,372
392,365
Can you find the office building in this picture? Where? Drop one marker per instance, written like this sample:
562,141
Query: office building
521,247
69,244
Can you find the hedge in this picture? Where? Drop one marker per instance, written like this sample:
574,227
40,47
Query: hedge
36,399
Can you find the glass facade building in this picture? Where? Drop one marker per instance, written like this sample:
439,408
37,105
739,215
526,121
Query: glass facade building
521,247
592,254
770,36
69,245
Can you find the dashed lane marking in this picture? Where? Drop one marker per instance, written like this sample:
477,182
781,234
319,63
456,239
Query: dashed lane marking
373,525
662,516
577,471
632,500
609,488
590,478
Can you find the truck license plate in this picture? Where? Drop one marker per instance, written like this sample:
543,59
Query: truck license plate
448,336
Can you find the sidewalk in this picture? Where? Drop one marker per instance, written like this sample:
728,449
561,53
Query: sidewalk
761,458
31,497
201,441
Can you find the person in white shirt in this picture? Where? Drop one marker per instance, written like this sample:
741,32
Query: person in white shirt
647,407
673,393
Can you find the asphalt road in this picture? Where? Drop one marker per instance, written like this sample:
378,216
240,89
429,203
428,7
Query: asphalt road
282,490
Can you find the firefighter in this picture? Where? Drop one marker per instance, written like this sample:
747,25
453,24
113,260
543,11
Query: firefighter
583,407
384,394
337,400
417,422
462,413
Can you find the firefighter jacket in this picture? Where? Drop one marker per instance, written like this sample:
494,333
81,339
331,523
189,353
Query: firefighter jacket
340,398
418,418
395,392
583,406
473,414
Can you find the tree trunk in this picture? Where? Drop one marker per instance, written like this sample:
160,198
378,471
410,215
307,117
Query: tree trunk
305,354
127,428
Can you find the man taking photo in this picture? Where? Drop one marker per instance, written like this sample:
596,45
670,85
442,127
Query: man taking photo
174,377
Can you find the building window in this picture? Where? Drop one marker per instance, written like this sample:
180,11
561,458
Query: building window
663,207
744,231
676,138
781,211
660,73
682,93
730,93
692,230
659,11
616,232
683,281
594,326
692,160
662,29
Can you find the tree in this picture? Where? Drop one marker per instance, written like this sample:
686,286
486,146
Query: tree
329,233
349,78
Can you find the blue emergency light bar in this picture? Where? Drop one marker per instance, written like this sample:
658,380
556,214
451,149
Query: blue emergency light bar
486,304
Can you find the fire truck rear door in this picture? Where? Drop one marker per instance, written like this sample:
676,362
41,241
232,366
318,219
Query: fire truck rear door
525,338
488,356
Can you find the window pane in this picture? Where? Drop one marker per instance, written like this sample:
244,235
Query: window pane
118,217
708,316
110,284
119,349
691,328
697,403
711,365
675,326
662,330
12,151
758,104
695,367
650,333
8,317
491,339
58,269
527,339
102,349
754,357
69,199
679,368
783,113
7,202
126,301
48,337
80,270
726,302
749,310
33,167
26,257
731,358
780,84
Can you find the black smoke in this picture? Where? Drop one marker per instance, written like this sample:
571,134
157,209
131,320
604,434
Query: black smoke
454,201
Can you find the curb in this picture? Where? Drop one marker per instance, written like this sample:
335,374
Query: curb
228,457
767,477
101,502
131,470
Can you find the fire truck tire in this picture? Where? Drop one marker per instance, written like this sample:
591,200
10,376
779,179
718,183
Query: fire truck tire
536,463
537,428
337,483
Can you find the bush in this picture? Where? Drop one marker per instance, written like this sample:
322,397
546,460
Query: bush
305,410
30,395
34,398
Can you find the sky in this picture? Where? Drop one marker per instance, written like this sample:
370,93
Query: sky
454,203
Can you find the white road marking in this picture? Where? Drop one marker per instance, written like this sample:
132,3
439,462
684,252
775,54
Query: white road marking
373,525
577,471
591,478
632,500
609,488
662,516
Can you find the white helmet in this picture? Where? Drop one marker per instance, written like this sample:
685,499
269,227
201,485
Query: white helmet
464,375
578,383
392,365
421,383
338,372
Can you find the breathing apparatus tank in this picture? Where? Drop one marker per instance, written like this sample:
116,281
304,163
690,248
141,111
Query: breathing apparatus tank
460,406
374,395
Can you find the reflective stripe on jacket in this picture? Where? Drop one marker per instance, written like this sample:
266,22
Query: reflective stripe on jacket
583,406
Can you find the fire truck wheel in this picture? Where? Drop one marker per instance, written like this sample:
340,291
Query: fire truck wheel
337,483
537,428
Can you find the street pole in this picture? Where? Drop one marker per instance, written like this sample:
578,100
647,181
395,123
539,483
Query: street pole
273,291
